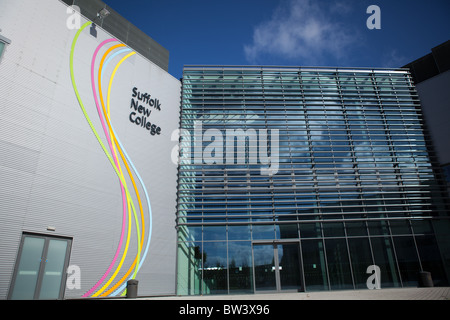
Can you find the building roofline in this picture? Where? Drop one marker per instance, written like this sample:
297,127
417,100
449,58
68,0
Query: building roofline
296,68
119,27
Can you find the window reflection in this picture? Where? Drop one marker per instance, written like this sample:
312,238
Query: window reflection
240,267
353,169
314,265
338,264
408,261
214,268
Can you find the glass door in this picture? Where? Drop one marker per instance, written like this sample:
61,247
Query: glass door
27,271
40,271
289,266
277,267
265,267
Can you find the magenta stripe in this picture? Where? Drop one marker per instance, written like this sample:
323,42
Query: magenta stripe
115,160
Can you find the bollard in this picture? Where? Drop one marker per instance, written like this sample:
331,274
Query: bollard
425,279
132,288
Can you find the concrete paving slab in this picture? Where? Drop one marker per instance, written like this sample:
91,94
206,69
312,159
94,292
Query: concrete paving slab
434,293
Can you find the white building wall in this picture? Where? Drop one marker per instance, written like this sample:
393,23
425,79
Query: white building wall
53,170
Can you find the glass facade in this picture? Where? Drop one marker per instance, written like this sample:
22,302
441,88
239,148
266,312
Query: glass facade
302,178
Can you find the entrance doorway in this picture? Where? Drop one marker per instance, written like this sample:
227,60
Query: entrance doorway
40,271
277,267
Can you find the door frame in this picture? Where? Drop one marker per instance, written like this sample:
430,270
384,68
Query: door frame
41,270
275,244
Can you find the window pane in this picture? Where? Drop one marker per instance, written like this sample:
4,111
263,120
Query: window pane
338,264
314,265
385,259
361,258
400,227
192,233
310,230
287,231
431,259
189,268
333,229
378,228
408,261
214,233
240,266
422,226
54,269
263,232
356,228
239,232
28,271
265,276
289,266
214,268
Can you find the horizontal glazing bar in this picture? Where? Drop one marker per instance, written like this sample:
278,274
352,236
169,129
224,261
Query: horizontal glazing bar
351,142
309,221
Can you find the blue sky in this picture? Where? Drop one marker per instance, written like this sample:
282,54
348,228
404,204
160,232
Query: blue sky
290,32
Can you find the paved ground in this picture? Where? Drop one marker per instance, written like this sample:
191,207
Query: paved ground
436,293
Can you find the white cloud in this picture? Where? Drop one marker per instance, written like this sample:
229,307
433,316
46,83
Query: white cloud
303,30
393,59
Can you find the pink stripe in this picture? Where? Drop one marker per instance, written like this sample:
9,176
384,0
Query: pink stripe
115,160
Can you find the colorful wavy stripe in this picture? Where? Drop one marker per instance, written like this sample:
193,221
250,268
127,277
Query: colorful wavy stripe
115,145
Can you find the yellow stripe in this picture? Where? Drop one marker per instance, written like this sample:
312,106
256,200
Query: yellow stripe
129,199
93,128
126,164
140,244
